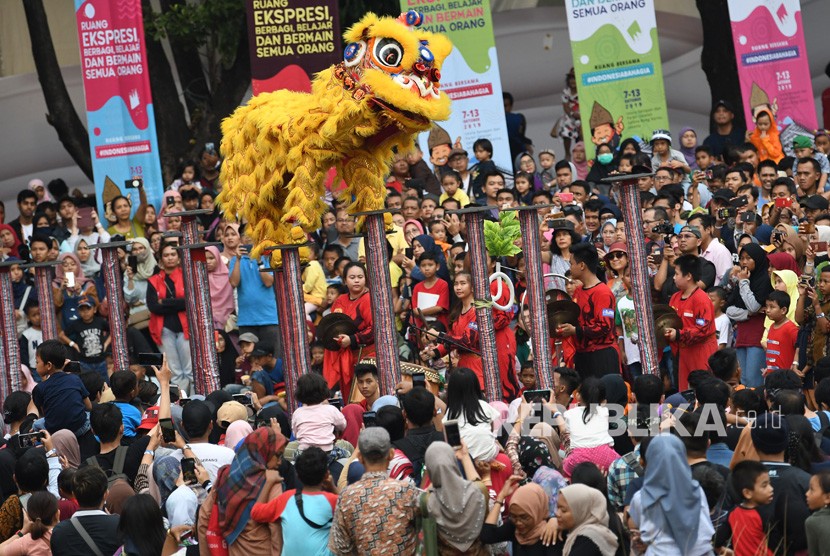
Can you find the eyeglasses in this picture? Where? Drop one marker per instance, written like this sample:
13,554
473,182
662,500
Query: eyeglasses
617,255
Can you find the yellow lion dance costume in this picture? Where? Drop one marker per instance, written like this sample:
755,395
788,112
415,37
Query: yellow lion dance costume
280,146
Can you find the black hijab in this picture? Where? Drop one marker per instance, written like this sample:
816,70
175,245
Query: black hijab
759,281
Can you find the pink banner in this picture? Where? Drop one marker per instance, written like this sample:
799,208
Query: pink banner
772,59
119,105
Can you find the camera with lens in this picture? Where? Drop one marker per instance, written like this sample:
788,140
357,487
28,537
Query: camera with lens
664,228
725,213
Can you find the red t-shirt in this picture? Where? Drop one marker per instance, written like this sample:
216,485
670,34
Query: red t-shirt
596,328
781,345
748,536
697,340
422,294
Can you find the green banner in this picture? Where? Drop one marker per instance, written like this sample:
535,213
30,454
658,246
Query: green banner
618,72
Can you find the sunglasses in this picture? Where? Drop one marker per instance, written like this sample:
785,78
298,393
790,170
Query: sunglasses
617,255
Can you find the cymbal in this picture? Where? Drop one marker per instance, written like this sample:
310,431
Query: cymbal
555,294
561,312
331,326
664,318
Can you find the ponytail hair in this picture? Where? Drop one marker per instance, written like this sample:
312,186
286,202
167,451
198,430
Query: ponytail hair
42,508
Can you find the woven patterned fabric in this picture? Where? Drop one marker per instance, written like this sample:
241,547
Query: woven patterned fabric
10,348
288,288
111,272
43,282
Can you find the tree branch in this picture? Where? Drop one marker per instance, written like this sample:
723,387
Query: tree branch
62,114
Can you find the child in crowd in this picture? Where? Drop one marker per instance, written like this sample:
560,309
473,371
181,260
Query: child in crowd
90,336
783,334
627,331
723,326
315,423
31,338
750,481
451,185
430,296
725,366
523,184
696,341
333,291
818,524
765,137
67,503
483,151
187,176
317,353
438,232
588,428
61,398
547,160
124,386
704,158
244,361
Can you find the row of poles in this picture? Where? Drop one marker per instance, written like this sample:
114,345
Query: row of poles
291,312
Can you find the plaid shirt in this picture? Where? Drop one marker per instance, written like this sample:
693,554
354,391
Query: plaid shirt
620,475
376,516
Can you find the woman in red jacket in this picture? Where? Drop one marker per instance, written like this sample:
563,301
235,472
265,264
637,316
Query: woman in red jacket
168,320
338,366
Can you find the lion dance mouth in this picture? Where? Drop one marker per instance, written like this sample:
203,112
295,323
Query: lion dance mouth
279,148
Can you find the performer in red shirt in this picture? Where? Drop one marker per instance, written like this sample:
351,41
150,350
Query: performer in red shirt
505,340
338,366
463,329
698,338
596,337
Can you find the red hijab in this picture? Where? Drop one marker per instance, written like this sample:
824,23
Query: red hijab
13,251
783,261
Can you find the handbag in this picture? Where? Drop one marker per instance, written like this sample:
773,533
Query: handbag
216,543
139,319
428,538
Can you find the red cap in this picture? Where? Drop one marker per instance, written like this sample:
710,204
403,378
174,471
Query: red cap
150,418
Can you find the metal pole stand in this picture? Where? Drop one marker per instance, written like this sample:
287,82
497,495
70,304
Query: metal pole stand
288,290
9,348
44,274
114,286
474,220
204,360
539,333
380,288
640,282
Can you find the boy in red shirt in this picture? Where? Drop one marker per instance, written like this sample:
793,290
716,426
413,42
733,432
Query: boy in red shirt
750,479
596,334
698,339
431,296
782,335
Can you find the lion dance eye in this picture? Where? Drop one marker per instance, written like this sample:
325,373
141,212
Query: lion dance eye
388,52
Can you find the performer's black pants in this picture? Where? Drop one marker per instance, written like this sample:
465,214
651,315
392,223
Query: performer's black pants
597,363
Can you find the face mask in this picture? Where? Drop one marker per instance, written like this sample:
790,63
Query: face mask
605,158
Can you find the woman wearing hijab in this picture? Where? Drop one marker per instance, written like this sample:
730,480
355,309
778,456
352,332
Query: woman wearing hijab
171,202
10,244
582,511
354,419
425,244
790,242
412,229
236,433
458,505
66,444
783,261
688,144
207,201
663,510
526,523
238,486
579,160
221,291
69,286
603,164
136,281
750,288
227,357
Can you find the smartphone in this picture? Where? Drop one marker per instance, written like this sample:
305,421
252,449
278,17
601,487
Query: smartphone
807,228
248,248
134,183
419,380
189,471
783,202
818,247
336,402
186,538
171,201
688,395
29,439
657,258
408,252
132,262
244,399
168,433
85,217
536,396
452,434
183,402
150,359
70,279
748,217
709,174
370,419
72,367
566,197
807,280
738,202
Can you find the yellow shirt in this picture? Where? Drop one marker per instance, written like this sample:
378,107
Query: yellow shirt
396,239
314,283
462,198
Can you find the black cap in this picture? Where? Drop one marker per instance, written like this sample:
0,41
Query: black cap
262,349
725,103
196,417
724,194
815,202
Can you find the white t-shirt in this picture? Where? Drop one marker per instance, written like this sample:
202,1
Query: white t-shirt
724,327
627,320
480,440
592,434
27,230
212,456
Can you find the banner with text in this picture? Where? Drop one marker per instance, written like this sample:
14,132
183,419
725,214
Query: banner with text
618,72
290,41
772,60
470,76
119,105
